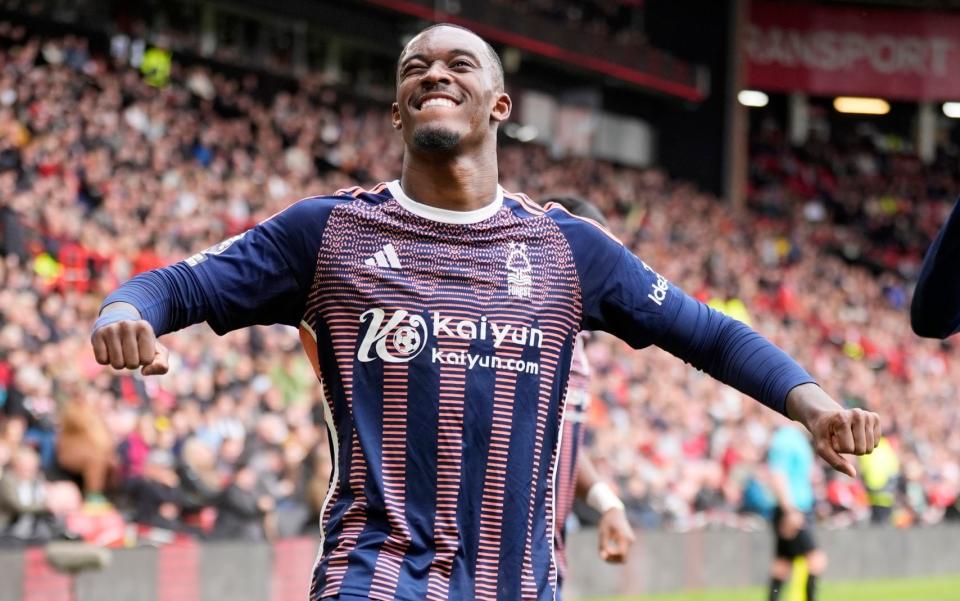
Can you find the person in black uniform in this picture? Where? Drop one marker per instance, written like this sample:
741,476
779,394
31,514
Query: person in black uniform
935,310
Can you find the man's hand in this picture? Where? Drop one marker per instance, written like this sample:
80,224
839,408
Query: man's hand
129,343
615,536
835,430
845,431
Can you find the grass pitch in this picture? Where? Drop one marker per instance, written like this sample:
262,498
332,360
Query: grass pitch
921,589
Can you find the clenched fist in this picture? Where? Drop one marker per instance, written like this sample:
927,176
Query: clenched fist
845,431
128,343
835,430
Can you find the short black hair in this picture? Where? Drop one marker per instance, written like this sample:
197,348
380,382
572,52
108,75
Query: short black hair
498,77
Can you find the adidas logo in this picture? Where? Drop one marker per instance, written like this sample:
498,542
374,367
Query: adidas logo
387,257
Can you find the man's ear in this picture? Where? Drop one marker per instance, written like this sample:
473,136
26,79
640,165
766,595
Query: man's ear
395,116
501,108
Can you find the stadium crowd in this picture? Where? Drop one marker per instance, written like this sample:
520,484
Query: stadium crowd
618,20
884,205
103,175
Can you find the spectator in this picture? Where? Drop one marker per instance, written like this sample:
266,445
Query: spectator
156,65
880,475
24,513
241,512
6,454
30,400
158,500
197,472
85,447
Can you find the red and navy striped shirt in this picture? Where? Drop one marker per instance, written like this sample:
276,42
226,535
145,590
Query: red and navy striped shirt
444,341
576,404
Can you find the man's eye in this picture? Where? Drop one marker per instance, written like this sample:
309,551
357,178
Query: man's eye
461,63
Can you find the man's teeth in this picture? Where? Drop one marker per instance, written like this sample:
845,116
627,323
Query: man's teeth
437,102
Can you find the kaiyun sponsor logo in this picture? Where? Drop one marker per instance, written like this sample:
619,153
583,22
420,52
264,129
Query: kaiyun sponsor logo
403,335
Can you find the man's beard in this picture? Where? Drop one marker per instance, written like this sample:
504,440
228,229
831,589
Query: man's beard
435,139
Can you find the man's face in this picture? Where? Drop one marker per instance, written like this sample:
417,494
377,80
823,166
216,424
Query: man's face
448,93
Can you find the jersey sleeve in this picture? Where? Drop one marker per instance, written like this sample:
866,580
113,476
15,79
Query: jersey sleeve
263,275
935,308
620,294
624,296
259,277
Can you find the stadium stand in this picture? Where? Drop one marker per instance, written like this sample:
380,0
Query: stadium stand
884,205
619,20
106,171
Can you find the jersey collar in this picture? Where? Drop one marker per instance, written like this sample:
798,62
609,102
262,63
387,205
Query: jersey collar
445,215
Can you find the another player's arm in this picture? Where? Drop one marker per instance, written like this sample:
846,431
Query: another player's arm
615,536
625,297
259,277
935,309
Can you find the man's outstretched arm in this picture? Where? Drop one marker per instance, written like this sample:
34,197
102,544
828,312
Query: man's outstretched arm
149,305
736,355
626,297
935,309
123,339
258,277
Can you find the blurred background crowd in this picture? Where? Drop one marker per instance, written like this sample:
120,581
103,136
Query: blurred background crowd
112,163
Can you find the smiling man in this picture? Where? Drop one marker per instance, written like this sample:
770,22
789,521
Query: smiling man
440,312
435,131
